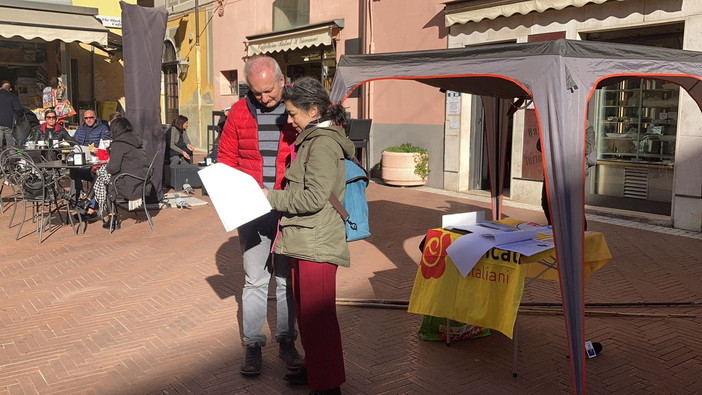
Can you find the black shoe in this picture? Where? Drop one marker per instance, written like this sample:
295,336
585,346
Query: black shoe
115,225
297,378
252,361
333,391
288,353
85,216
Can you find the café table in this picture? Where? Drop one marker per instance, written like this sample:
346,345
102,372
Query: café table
490,295
44,154
59,164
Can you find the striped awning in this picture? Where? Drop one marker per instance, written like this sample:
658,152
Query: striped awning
461,13
50,25
314,35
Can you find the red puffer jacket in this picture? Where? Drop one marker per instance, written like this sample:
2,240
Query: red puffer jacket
238,145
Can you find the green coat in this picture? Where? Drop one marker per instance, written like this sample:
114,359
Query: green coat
311,229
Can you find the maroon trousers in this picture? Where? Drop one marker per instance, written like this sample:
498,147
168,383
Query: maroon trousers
314,288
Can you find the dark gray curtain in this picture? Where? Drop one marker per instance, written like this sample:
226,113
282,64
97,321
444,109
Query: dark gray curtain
496,139
143,31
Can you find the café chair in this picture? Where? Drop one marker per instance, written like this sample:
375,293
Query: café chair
146,186
11,165
358,131
42,190
4,180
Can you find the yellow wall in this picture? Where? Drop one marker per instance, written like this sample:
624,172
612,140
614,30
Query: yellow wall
98,71
181,29
105,7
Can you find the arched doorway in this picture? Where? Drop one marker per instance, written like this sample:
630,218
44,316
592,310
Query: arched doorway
169,68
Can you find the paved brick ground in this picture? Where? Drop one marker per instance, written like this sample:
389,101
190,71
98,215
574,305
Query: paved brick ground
137,312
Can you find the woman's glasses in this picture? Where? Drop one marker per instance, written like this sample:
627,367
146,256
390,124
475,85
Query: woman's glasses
54,117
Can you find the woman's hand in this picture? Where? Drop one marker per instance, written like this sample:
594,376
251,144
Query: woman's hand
191,148
186,155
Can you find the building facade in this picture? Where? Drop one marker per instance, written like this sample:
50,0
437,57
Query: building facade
308,37
100,76
187,73
648,133
51,43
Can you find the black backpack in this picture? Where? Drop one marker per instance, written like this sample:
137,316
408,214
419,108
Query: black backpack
24,126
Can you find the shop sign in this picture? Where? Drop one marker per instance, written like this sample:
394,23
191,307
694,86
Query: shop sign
110,21
296,40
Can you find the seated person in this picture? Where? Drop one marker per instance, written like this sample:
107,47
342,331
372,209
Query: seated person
90,132
112,117
179,148
126,156
52,130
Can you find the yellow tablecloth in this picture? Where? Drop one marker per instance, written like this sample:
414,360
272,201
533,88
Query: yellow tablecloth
489,296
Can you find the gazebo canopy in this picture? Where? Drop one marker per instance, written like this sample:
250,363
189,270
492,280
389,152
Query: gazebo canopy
560,77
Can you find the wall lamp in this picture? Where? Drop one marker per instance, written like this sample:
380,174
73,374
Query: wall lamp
183,68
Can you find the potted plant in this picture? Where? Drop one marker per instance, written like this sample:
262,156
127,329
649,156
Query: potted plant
405,165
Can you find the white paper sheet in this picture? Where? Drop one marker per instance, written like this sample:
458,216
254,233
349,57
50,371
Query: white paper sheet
528,247
467,250
236,196
449,221
511,237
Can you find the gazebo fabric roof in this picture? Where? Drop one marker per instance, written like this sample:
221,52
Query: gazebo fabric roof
560,76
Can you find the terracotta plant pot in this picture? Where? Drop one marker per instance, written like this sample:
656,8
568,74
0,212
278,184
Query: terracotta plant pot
399,169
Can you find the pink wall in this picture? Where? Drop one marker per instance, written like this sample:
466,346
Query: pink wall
241,18
395,27
327,10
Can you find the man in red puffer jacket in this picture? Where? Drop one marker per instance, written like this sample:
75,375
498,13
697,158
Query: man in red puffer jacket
258,140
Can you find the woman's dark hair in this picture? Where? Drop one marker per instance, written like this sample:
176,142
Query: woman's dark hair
179,121
307,92
120,126
114,116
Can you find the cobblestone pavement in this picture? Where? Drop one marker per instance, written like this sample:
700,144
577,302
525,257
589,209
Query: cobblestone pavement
137,312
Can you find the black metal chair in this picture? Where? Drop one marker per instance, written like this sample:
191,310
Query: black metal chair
46,191
213,131
5,176
11,166
146,186
358,131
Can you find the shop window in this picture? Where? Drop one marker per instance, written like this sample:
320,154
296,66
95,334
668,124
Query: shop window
636,129
288,14
169,67
229,83
314,62
637,121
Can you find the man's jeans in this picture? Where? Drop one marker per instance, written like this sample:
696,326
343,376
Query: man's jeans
256,238
6,134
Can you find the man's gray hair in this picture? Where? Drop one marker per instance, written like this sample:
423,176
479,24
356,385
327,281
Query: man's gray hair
260,64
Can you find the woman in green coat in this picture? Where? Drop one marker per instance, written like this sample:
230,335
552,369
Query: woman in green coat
312,232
